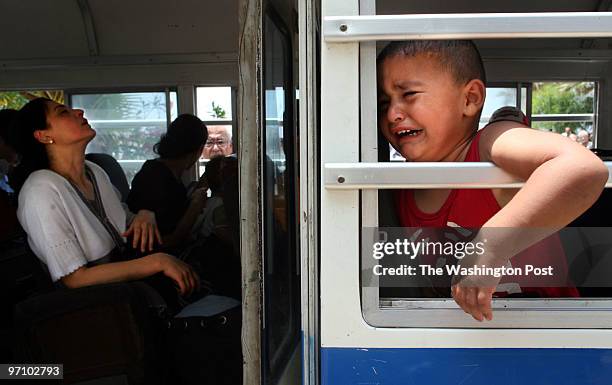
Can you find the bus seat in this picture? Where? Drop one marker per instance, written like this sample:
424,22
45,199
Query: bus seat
97,332
9,225
598,215
589,254
114,171
387,215
21,276
588,248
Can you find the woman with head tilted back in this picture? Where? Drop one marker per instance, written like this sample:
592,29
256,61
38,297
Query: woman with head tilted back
70,211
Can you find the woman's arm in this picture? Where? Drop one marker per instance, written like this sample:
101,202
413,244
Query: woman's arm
181,273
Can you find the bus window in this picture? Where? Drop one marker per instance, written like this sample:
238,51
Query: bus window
128,124
565,107
501,95
498,95
555,86
280,242
17,99
214,107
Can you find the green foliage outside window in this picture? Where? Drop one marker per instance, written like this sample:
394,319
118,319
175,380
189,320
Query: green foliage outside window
217,111
17,99
563,98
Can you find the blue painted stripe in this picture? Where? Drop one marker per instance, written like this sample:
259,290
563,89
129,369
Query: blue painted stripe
343,366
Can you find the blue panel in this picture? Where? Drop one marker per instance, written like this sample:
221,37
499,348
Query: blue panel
344,366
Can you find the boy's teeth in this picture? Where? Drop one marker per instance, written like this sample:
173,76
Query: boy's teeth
408,132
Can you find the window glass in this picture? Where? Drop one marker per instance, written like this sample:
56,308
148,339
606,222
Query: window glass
214,103
214,107
497,97
173,105
127,124
281,278
524,92
17,99
564,107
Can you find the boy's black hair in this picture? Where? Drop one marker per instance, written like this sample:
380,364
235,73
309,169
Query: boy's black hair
460,57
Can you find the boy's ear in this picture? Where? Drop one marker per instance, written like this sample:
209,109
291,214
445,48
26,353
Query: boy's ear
475,92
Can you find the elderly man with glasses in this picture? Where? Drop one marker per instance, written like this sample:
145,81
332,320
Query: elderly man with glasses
219,142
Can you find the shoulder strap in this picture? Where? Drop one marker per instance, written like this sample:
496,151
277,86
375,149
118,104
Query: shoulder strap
97,209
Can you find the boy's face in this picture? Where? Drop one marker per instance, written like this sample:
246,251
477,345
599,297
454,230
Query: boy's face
421,108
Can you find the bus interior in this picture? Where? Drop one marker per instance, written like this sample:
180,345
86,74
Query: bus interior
133,66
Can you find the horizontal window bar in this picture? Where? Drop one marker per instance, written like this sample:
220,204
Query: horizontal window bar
562,118
511,304
420,175
128,121
467,26
223,122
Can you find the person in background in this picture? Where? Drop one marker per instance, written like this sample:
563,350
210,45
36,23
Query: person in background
583,138
8,156
213,220
567,131
158,185
219,142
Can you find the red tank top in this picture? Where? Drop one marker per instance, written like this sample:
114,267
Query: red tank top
471,208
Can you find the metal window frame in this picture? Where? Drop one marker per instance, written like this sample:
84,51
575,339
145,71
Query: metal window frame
201,163
362,28
69,93
563,118
368,177
421,175
308,184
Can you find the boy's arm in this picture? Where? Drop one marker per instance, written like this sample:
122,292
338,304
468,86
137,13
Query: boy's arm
562,180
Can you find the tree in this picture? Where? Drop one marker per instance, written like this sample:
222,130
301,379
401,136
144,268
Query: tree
217,111
562,98
17,99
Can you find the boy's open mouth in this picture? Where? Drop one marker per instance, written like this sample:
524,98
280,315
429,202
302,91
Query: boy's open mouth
412,132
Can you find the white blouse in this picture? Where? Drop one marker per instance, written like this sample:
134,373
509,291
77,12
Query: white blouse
62,230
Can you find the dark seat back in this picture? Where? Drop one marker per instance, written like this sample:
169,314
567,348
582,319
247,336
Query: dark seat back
95,332
114,171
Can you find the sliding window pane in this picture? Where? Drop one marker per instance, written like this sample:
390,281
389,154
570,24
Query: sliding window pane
127,124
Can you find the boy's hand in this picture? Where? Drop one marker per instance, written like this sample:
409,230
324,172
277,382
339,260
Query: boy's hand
475,301
474,293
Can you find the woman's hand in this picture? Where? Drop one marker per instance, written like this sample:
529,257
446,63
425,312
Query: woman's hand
180,272
143,230
198,199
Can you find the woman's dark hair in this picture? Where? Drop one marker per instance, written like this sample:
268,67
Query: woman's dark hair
30,118
6,117
185,135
